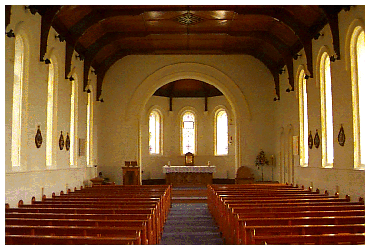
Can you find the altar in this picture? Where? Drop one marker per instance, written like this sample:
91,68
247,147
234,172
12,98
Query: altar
189,175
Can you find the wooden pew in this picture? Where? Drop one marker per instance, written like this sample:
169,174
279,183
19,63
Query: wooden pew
234,218
296,218
68,240
102,211
80,224
158,222
323,239
99,202
236,207
253,231
114,232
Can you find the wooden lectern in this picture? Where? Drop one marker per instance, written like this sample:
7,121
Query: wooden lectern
131,175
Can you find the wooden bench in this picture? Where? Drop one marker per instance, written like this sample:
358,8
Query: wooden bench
89,210
235,226
331,220
159,219
112,232
323,239
68,240
238,209
251,231
154,224
147,238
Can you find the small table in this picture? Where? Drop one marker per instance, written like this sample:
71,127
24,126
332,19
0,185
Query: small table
189,175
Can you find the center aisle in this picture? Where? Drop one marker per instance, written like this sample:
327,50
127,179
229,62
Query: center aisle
190,224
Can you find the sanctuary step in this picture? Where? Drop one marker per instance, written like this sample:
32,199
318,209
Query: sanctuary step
189,195
190,224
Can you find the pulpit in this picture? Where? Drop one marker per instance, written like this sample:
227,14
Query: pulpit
131,175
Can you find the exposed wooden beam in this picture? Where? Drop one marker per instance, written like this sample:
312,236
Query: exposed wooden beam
68,58
47,16
8,12
331,13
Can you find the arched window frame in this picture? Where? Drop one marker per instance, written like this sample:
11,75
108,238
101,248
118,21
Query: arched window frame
221,138
51,114
19,105
303,117
89,128
327,126
158,131
73,122
182,131
357,96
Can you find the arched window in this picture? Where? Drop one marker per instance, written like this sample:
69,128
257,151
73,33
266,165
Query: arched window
155,126
50,116
188,132
358,64
221,127
17,103
89,129
73,122
326,112
303,119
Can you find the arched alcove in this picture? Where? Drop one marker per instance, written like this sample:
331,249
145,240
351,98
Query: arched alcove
195,71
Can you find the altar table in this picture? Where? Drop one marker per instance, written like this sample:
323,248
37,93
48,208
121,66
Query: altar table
189,175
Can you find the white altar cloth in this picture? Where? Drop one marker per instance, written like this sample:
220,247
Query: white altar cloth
189,169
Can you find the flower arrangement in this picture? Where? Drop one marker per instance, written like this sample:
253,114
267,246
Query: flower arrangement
261,159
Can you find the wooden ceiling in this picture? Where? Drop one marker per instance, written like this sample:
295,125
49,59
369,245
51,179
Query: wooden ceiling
188,88
101,35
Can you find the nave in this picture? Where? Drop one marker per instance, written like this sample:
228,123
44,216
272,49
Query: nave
145,214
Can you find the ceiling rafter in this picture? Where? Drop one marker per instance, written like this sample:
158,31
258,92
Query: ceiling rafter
331,13
294,31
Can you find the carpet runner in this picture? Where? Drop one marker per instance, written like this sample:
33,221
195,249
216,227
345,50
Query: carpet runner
190,224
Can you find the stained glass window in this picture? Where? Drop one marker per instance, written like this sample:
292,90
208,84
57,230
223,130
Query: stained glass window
222,145
188,133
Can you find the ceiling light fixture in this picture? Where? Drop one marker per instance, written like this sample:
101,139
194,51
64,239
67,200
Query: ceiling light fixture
188,19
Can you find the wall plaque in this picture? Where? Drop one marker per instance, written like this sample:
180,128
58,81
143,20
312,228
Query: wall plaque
317,140
68,142
61,141
341,136
310,140
38,137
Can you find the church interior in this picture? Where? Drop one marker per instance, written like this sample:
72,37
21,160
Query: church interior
141,95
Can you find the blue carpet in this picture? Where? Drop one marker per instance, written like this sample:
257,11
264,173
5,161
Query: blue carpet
190,224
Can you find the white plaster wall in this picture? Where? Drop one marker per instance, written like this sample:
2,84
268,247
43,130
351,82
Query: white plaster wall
35,179
119,128
250,95
152,164
342,178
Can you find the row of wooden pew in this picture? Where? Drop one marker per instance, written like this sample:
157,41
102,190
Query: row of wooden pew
283,214
107,215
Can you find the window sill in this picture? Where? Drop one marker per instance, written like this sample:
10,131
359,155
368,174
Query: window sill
304,165
360,168
329,166
156,155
